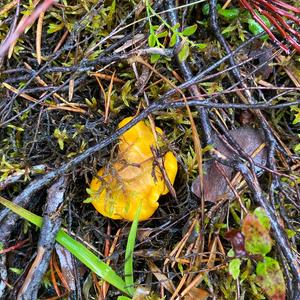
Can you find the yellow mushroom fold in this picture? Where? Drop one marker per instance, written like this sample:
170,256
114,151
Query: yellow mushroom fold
118,190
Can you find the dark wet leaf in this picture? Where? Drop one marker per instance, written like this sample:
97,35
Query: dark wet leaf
215,186
237,241
260,54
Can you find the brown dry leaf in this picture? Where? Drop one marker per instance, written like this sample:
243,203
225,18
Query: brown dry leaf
196,294
71,89
261,54
107,77
162,278
109,93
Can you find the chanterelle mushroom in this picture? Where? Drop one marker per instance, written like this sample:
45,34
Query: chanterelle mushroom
117,191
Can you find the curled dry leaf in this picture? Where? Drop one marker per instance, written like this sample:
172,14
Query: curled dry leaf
215,185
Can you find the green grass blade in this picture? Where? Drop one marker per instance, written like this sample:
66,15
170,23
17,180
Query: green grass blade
22,212
128,268
123,298
77,249
91,261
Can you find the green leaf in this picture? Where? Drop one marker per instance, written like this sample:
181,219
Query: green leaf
297,115
152,40
88,258
297,149
154,58
61,137
173,39
175,27
128,268
126,89
229,14
22,212
15,127
52,27
230,28
255,28
262,217
205,9
16,270
234,268
231,253
88,200
184,52
189,30
257,238
270,278
111,14
162,34
123,298
61,144
180,268
290,233
201,46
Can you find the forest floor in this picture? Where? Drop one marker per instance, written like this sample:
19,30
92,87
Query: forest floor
224,165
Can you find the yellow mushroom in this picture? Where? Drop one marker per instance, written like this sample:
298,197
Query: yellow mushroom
118,190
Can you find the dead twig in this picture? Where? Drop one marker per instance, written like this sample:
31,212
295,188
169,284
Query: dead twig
51,225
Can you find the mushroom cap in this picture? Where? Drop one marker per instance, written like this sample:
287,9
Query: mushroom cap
118,190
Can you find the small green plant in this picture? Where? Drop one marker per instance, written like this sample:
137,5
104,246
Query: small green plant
153,39
296,109
253,242
7,168
228,14
232,14
296,121
61,137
